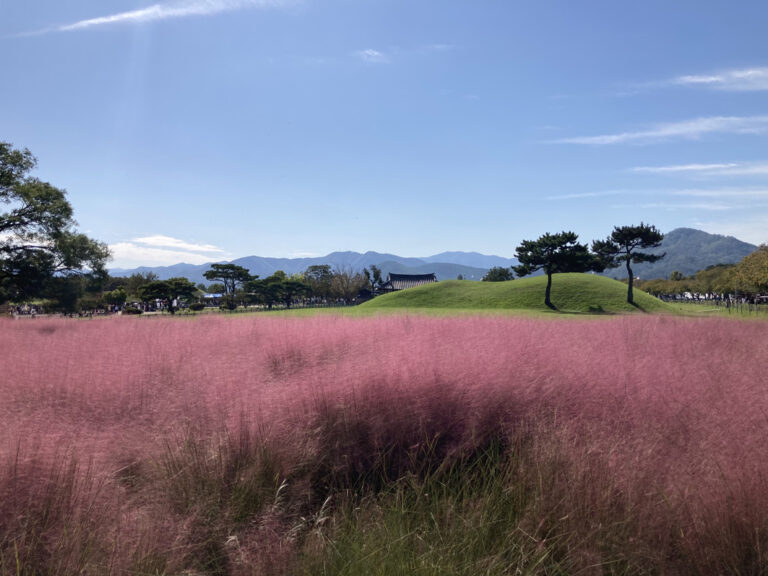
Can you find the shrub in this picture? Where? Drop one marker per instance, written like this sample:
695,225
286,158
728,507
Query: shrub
196,306
129,310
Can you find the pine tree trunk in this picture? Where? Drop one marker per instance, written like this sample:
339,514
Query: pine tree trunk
547,301
630,295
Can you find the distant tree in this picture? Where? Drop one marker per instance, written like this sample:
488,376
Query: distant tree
347,284
116,297
498,274
215,288
676,276
278,289
460,277
373,276
292,289
553,253
751,274
38,242
137,280
624,245
319,278
169,291
718,278
231,276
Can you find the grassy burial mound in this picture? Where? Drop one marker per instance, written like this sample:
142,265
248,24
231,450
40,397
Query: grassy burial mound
573,293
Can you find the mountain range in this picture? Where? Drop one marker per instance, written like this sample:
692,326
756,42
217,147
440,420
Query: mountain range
687,251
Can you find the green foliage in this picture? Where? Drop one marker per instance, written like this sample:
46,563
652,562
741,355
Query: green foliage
115,297
196,306
131,310
498,274
373,276
231,276
38,240
168,291
278,289
624,245
751,274
319,278
553,253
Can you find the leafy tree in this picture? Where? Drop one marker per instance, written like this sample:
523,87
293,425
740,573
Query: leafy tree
751,274
624,245
168,291
347,284
319,278
231,276
116,297
215,288
498,274
676,276
553,253
136,280
373,276
278,288
38,240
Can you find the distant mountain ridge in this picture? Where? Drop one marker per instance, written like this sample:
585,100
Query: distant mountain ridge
687,251
447,266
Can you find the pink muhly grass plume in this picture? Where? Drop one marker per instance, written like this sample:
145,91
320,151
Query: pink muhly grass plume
660,418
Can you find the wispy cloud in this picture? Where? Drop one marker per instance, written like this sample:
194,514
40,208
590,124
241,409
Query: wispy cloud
725,193
726,169
160,241
372,56
738,80
686,206
598,194
167,11
160,250
688,129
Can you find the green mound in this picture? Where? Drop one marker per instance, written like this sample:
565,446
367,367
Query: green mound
572,293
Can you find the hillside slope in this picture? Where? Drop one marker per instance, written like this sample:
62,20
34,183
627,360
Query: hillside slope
574,293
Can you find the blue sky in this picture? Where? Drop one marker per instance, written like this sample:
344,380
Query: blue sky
201,130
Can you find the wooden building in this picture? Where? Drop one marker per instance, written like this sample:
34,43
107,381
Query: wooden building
397,282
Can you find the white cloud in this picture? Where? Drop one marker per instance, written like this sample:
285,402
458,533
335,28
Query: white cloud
690,129
130,255
372,56
169,10
729,169
160,250
739,80
158,240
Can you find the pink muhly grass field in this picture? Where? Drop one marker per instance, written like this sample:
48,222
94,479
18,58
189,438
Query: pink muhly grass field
655,423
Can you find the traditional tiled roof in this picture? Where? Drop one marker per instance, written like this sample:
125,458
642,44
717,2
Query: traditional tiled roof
403,281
